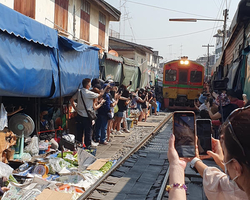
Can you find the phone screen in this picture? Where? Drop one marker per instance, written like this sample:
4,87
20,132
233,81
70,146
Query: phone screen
184,131
203,127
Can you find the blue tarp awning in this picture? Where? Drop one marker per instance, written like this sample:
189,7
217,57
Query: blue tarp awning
31,53
77,61
22,26
26,69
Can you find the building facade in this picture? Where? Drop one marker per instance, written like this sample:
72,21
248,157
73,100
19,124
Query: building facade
86,21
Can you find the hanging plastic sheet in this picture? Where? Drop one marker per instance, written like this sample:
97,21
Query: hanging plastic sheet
27,69
76,62
247,78
144,75
113,68
132,74
232,74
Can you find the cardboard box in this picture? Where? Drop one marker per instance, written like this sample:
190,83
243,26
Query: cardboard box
52,195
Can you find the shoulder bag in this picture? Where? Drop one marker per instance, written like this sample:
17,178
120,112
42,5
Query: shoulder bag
91,114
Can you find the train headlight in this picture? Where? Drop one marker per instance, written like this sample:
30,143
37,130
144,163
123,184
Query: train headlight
184,60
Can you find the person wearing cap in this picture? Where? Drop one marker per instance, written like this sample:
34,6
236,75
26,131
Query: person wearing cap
202,99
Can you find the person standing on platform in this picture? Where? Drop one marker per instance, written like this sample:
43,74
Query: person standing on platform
102,118
83,121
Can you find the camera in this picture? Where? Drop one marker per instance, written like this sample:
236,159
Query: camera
220,84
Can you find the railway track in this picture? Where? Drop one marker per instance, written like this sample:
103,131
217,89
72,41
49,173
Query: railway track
155,143
143,172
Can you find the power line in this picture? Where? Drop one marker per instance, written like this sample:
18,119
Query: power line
161,38
130,25
216,23
152,6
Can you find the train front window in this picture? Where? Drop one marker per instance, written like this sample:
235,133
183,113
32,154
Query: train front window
183,76
170,75
196,76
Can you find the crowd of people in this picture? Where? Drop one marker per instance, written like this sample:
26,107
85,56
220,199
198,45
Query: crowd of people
230,151
110,103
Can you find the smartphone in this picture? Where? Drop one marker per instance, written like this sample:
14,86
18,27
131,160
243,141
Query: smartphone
130,82
184,131
204,134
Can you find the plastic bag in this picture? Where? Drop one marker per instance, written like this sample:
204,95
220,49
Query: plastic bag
33,147
26,157
57,164
69,137
5,170
3,118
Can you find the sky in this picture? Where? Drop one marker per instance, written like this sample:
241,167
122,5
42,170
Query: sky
147,22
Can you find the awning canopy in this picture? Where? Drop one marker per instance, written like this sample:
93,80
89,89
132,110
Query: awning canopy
76,61
26,69
114,58
73,45
130,62
35,62
22,26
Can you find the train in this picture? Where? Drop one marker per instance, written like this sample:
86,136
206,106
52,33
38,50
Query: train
183,82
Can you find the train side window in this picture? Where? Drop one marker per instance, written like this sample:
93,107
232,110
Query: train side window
170,75
196,76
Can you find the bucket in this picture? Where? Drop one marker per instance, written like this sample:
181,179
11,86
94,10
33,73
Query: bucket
129,122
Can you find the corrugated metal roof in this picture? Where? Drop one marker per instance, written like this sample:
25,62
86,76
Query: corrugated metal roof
130,62
114,58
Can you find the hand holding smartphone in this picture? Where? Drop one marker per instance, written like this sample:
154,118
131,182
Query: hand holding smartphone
184,131
204,134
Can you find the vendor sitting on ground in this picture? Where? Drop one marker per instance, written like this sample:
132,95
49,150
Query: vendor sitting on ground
2,188
45,125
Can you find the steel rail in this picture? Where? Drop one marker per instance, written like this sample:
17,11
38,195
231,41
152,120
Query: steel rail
144,140
163,186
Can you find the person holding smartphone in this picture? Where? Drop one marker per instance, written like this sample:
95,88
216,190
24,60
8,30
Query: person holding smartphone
176,188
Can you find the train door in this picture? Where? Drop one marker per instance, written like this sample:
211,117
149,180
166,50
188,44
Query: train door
183,76
182,89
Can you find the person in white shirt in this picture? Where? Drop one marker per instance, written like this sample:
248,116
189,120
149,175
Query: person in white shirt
83,121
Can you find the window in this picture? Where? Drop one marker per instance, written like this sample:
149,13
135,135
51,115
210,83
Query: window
26,7
102,23
85,21
86,7
102,18
196,76
61,14
170,75
183,76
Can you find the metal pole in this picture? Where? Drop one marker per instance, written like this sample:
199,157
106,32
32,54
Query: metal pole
224,29
74,21
207,59
207,56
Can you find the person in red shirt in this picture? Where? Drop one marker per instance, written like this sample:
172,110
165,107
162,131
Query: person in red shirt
231,94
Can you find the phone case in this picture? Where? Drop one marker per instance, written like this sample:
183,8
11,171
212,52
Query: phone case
184,131
203,143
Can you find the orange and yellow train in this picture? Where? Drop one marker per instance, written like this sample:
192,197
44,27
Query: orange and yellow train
182,83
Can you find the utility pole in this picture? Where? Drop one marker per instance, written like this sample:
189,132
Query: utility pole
208,46
74,21
225,13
